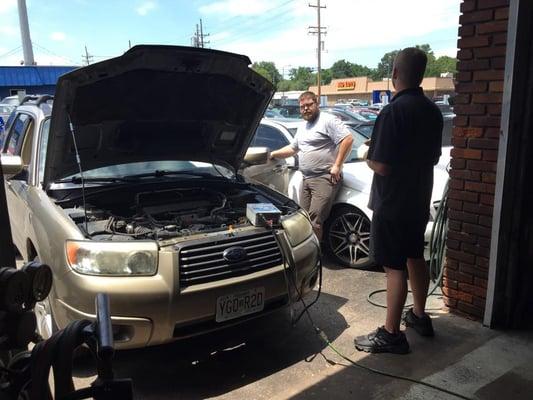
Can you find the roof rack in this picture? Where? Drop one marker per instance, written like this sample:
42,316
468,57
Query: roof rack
38,99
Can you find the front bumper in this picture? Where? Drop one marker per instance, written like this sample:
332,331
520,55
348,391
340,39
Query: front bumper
147,311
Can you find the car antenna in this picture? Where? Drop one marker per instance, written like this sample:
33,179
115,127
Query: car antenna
71,126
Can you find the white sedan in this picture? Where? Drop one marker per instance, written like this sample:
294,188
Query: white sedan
347,230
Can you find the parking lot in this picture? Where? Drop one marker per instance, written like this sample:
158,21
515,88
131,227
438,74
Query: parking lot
270,359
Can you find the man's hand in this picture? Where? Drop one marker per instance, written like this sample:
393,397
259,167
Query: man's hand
335,172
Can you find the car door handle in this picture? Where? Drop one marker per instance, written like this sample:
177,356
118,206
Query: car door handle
279,168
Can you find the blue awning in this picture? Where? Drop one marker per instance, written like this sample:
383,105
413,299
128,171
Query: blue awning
32,75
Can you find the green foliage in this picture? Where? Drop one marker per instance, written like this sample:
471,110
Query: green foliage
445,64
325,76
384,69
268,70
303,77
346,69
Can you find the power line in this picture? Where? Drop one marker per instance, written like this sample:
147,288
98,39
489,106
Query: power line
53,54
229,23
11,52
253,31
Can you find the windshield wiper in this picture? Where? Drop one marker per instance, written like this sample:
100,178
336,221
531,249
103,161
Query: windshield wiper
162,173
78,180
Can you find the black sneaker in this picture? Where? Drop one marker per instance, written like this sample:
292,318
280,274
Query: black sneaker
381,341
422,325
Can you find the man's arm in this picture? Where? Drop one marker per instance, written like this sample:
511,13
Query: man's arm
345,147
284,152
378,167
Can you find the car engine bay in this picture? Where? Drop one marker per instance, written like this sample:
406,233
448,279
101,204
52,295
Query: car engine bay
163,214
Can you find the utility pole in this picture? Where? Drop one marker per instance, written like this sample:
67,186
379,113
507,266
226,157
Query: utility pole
283,78
87,58
318,30
202,35
25,33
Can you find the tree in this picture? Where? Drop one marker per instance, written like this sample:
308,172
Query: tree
325,76
268,70
302,78
346,69
384,69
445,64
341,69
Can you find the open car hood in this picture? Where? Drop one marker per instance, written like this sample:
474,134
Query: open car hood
155,103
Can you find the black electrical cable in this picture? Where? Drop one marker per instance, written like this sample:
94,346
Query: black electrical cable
290,277
326,340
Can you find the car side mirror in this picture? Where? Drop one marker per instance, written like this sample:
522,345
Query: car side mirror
257,156
11,165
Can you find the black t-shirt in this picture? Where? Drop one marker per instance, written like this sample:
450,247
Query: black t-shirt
407,136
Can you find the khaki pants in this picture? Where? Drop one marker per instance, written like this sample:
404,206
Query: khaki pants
317,196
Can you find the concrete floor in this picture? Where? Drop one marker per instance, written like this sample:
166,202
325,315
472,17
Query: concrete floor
270,359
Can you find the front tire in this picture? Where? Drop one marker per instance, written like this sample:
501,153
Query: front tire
347,237
46,325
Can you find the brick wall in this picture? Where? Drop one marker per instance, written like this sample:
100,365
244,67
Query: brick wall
479,87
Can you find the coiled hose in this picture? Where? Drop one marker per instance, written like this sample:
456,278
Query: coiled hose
437,245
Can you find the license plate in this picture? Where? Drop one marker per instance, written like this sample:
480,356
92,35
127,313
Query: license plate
236,305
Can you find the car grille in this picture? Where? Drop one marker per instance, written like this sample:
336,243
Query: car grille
204,262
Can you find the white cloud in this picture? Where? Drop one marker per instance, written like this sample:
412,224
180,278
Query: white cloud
145,8
355,30
7,6
230,8
58,36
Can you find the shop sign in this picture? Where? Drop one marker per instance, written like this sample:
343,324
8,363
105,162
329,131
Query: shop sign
346,85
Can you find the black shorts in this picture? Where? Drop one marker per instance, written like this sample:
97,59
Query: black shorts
393,241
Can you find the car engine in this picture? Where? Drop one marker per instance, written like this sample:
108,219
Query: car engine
164,214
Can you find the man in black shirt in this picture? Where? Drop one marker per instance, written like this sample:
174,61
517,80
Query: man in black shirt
405,145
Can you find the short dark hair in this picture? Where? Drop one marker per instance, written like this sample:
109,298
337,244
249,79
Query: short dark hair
308,94
411,65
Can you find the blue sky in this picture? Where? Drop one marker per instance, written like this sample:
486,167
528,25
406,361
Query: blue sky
359,31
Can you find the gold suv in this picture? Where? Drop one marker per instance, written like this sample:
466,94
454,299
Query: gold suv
143,200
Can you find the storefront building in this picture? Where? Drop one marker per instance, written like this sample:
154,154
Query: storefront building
362,88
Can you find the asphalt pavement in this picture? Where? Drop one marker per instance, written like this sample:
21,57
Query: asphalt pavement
270,358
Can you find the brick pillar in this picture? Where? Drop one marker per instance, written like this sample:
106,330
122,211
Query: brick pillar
479,87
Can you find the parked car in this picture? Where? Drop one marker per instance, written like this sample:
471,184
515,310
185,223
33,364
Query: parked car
273,113
144,201
289,110
347,230
352,119
11,100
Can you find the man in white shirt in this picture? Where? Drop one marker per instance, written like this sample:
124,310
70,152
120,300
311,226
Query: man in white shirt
323,143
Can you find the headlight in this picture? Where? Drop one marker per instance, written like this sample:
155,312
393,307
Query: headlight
297,228
112,258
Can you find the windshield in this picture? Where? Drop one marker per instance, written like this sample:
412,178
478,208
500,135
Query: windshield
139,168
